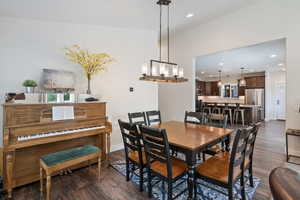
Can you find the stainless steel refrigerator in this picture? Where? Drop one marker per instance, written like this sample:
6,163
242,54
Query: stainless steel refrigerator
256,97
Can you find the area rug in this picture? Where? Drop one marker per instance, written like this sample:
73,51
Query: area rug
160,194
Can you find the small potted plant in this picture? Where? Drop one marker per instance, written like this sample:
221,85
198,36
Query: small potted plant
29,85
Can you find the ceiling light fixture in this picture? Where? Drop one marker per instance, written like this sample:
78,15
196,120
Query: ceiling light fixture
242,81
273,56
163,71
221,63
189,15
202,72
220,79
280,64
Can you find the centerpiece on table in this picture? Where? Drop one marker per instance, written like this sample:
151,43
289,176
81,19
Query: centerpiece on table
92,63
29,85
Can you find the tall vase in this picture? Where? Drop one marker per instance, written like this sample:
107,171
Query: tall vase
89,84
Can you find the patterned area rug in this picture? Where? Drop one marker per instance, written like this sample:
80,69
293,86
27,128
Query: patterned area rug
160,194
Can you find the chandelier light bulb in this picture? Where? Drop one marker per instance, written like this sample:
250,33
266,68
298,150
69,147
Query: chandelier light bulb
180,72
154,71
145,69
175,71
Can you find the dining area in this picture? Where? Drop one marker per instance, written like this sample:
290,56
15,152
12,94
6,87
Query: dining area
199,157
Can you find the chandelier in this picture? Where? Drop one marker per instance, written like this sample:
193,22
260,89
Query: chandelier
242,81
159,70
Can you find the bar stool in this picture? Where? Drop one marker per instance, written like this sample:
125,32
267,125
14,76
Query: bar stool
216,109
237,112
227,110
207,109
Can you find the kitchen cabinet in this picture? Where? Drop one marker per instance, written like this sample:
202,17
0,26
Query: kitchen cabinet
255,82
200,88
212,89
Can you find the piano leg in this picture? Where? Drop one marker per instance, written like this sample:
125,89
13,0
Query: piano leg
9,172
108,148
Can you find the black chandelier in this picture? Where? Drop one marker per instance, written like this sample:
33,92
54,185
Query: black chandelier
163,71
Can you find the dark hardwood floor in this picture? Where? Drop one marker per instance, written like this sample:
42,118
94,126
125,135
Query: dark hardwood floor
82,184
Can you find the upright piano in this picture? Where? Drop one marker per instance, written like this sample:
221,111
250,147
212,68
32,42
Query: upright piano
30,132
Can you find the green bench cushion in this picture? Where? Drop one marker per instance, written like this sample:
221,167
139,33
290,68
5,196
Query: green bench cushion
70,154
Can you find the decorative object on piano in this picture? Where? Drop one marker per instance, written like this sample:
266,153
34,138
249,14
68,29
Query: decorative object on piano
58,80
29,85
59,98
12,97
92,63
163,71
91,99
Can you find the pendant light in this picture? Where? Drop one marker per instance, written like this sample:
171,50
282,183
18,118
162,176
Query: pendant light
242,81
220,79
163,71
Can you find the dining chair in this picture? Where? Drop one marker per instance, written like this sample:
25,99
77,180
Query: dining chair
228,111
206,108
138,118
249,152
216,109
225,169
237,113
219,121
160,164
153,117
194,117
134,155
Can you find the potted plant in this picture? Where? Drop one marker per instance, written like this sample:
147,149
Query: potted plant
92,63
29,85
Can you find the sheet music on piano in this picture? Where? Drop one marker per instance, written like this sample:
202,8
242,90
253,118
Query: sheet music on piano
62,113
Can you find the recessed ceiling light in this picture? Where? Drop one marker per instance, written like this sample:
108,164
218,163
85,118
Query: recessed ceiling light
189,15
221,63
273,56
283,69
202,72
280,64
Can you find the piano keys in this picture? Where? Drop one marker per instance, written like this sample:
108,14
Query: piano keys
30,132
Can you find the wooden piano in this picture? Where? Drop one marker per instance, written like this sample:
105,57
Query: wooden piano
29,133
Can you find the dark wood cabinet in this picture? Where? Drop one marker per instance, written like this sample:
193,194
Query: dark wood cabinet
255,82
200,88
211,88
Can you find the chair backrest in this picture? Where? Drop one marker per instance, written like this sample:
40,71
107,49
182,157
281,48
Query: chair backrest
131,138
194,117
138,118
153,117
251,141
156,146
237,156
217,120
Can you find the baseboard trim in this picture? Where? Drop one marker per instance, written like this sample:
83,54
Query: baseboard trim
116,147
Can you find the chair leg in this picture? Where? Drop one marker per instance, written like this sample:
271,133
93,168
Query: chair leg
127,171
243,120
230,193
203,156
170,190
242,182
149,184
251,175
230,117
48,187
141,179
41,181
99,167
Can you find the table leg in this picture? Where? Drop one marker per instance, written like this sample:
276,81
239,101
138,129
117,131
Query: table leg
191,157
191,183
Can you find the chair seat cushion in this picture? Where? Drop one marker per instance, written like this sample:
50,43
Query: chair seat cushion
70,154
134,156
178,167
217,168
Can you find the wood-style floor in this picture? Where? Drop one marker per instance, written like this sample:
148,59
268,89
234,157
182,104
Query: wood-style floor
83,185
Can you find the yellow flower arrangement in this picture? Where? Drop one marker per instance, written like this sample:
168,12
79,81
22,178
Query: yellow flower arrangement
92,63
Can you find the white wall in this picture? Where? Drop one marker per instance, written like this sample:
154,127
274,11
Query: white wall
264,21
28,46
272,81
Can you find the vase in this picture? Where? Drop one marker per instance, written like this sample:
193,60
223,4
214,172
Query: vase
29,89
89,84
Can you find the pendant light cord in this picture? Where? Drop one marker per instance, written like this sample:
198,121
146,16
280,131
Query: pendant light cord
160,18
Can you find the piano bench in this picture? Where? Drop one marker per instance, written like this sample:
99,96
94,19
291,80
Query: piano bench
53,163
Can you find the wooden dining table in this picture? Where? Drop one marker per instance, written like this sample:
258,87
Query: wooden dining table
190,139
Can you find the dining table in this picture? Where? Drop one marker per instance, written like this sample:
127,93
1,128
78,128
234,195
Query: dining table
191,139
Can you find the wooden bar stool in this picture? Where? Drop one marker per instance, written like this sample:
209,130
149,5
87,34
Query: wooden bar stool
228,111
238,112
207,109
53,163
216,109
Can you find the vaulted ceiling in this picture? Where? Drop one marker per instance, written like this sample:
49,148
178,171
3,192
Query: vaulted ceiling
138,14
